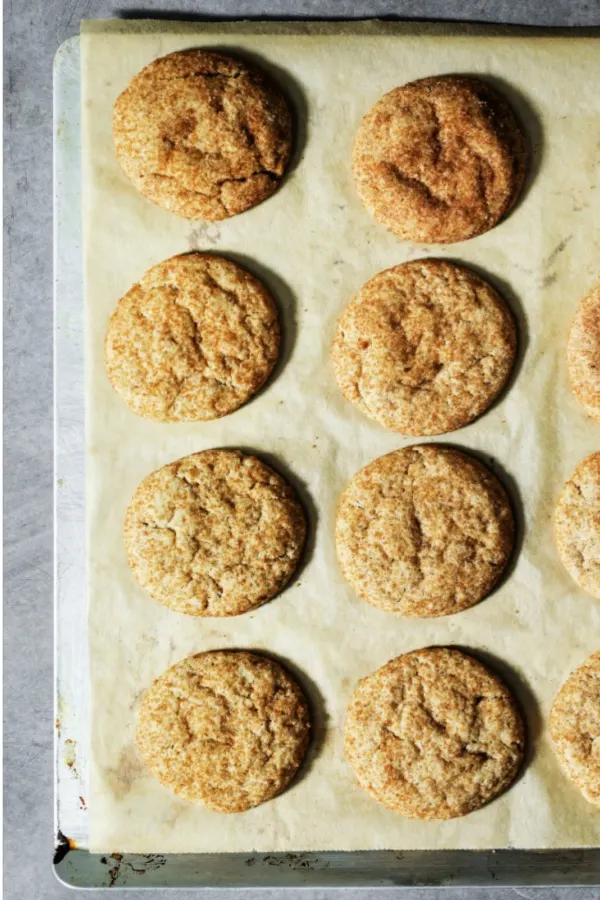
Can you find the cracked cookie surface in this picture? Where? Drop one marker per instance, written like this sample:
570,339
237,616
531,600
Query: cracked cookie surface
203,135
424,348
439,160
216,533
575,727
193,340
228,728
424,531
577,525
434,734
583,354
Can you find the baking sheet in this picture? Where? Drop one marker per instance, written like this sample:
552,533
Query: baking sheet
315,246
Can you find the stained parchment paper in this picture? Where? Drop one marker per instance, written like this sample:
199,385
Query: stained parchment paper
314,246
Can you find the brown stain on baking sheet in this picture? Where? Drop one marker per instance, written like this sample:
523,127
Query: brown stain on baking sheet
61,709
206,233
128,769
70,755
551,275
117,863
113,872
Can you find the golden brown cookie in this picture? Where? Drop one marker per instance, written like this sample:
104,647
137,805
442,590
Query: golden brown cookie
227,728
203,135
194,339
577,525
424,348
214,534
434,734
583,354
575,727
424,531
439,160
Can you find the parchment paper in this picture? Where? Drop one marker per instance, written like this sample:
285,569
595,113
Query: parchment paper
315,246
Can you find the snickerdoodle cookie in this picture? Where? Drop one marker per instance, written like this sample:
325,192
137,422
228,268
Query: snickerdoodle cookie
583,354
434,734
577,525
575,727
216,533
424,531
228,728
194,339
440,160
203,135
425,347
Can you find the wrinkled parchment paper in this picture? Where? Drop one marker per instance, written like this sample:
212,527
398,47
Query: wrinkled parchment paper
314,246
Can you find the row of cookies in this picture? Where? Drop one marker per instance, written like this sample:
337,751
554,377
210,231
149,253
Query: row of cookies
424,348
577,520
575,717
423,531
208,136
433,734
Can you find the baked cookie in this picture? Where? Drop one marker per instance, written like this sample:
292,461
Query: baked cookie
227,728
424,348
577,525
434,734
424,531
214,534
583,354
194,339
439,160
203,135
575,727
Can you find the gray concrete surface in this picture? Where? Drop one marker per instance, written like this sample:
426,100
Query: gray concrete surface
33,30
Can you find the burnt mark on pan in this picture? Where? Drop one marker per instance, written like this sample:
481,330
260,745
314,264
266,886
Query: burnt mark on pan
62,846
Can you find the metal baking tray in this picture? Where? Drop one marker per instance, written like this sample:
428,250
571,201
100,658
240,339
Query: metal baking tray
73,863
